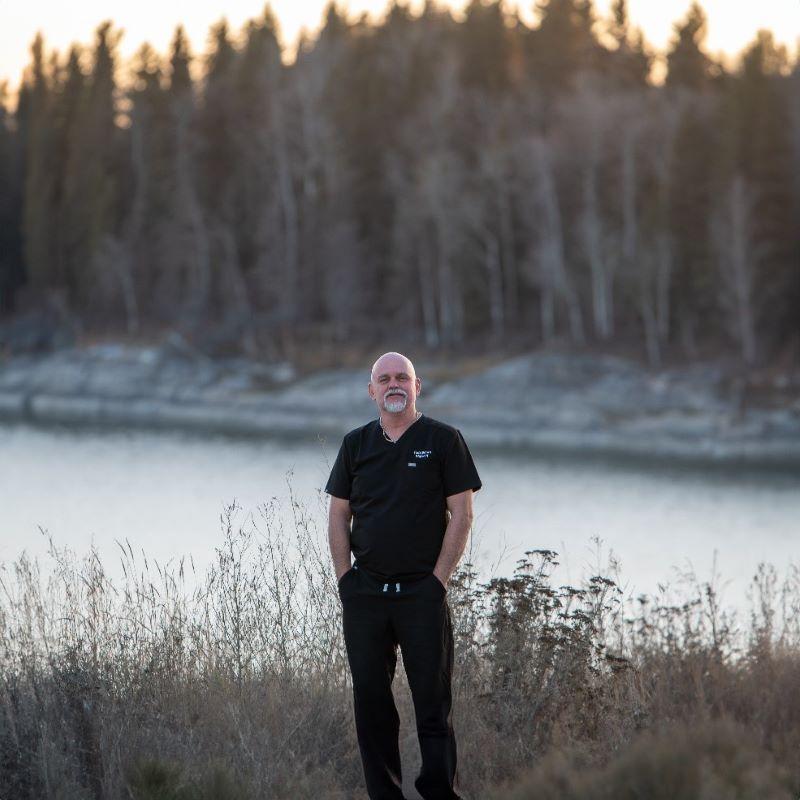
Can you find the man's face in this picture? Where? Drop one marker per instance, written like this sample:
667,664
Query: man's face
394,386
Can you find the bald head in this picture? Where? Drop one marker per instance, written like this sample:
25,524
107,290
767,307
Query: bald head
394,385
392,361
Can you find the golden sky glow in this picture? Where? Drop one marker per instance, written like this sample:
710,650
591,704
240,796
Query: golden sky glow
732,24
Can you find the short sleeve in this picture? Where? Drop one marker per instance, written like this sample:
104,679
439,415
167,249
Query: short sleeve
459,469
341,478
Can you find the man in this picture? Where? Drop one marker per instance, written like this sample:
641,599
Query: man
401,502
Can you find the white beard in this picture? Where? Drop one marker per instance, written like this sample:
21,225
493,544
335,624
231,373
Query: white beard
395,404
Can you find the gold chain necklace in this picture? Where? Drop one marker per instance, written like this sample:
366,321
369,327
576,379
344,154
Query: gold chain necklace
386,435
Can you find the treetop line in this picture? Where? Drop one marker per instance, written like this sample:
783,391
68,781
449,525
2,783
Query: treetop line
475,180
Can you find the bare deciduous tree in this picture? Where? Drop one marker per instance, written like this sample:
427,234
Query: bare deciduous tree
738,259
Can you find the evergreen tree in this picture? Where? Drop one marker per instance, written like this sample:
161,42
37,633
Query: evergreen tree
687,64
764,160
35,108
92,184
11,264
216,123
630,62
148,138
179,79
563,44
215,128
257,236
692,190
184,281
485,45
335,116
257,85
68,103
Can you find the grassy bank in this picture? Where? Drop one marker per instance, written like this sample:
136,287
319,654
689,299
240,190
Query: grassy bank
234,684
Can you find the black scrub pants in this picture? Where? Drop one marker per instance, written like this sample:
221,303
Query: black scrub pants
377,617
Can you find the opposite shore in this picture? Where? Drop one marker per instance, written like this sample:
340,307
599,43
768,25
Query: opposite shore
548,402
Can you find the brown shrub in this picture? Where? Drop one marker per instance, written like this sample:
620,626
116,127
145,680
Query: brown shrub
704,761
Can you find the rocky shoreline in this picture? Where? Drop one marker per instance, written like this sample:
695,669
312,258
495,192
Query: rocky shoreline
539,402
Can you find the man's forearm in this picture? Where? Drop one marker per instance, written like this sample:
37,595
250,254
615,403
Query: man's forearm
339,543
453,546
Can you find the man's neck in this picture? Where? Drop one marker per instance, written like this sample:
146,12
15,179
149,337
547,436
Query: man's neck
395,423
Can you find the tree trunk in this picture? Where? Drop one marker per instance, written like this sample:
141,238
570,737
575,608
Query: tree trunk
547,310
290,216
554,240
737,263
663,278
238,286
495,276
427,299
508,261
743,266
593,246
201,285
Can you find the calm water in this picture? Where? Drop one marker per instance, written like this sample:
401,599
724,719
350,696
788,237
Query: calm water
165,492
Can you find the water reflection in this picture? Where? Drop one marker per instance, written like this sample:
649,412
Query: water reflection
165,492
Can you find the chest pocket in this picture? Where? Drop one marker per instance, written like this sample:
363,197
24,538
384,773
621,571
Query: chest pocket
422,475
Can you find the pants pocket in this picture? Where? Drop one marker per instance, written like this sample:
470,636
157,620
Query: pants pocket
441,589
344,576
344,581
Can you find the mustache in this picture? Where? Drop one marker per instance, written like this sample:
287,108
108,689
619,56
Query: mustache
396,393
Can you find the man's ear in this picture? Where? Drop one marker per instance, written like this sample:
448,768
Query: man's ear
419,386
369,390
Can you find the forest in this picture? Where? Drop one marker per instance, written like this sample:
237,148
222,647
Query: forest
459,181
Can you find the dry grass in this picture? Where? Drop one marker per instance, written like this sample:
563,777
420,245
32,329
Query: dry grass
167,685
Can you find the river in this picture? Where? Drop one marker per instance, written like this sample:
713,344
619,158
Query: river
164,494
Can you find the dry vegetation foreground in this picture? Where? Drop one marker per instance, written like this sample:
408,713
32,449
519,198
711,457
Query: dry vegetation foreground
167,685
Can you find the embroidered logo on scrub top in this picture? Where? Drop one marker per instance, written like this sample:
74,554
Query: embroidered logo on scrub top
423,453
